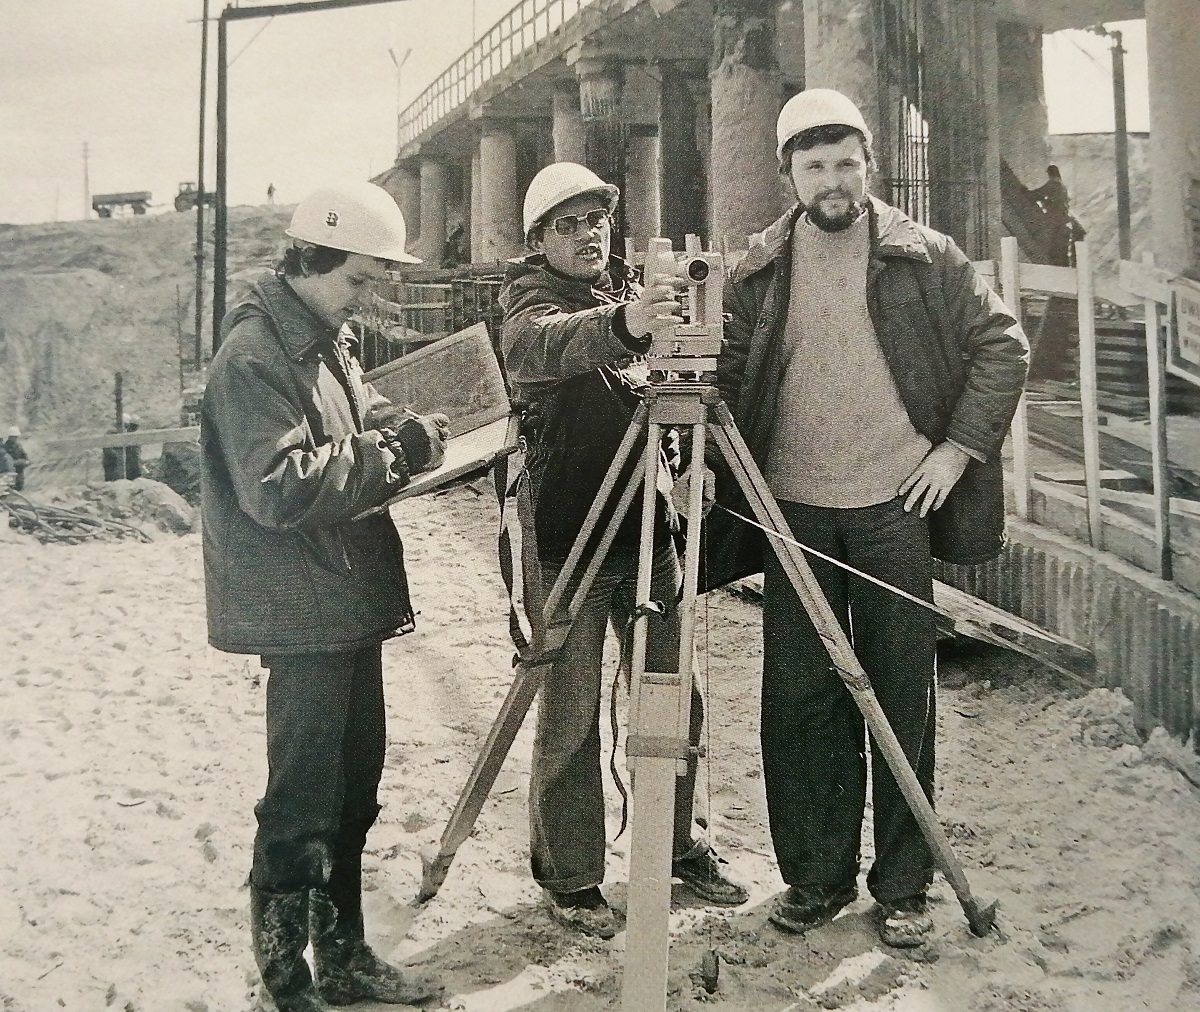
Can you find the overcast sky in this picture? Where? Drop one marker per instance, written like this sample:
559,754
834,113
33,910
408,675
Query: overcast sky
313,96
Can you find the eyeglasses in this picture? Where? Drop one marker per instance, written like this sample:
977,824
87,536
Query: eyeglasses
568,224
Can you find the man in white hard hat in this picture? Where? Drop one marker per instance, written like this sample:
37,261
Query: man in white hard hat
292,452
874,375
575,321
15,450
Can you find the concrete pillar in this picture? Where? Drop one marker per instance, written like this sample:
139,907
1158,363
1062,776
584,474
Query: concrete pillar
476,208
1024,122
570,140
746,85
432,244
681,155
990,92
839,53
499,202
1171,32
406,189
643,208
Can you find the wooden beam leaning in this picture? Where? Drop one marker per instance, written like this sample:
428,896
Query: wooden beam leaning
1156,366
1010,289
188,434
1088,392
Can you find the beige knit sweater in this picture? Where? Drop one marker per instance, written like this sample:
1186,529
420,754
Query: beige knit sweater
842,437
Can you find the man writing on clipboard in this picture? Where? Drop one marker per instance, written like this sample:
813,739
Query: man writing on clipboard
294,447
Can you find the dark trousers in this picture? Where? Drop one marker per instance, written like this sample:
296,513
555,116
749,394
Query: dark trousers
325,747
566,792
813,736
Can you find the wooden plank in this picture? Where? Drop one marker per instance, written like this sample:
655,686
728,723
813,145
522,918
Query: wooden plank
1087,392
1011,291
979,620
1156,370
188,434
1049,279
1146,280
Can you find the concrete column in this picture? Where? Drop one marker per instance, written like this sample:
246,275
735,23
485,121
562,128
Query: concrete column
476,208
643,208
990,70
745,191
570,139
1171,32
682,157
499,202
406,189
1024,122
839,53
432,244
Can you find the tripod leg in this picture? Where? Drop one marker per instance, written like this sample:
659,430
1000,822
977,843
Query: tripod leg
766,510
653,760
528,678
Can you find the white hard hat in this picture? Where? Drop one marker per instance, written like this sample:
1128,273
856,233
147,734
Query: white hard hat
561,181
356,216
817,107
14,433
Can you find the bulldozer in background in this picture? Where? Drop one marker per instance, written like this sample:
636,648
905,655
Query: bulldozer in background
188,197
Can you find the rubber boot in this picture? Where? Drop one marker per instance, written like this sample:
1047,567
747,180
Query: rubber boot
347,969
279,929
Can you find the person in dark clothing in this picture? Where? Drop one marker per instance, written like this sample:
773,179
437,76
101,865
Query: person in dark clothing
1055,202
294,452
123,461
873,375
575,321
17,456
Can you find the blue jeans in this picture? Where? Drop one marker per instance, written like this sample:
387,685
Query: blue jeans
813,736
566,794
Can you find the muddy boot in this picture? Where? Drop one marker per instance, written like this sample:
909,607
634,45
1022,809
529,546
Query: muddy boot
347,969
279,928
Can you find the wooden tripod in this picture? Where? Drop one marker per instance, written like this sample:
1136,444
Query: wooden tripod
657,745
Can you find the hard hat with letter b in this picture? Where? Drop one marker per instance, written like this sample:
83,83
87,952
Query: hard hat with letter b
356,216
561,181
817,107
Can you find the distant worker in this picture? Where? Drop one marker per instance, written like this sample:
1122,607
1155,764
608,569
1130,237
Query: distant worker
123,461
874,374
1055,202
292,453
271,194
15,451
575,322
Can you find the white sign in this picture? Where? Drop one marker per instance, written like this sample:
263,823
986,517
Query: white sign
1183,345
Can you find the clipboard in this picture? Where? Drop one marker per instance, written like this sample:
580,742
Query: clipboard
460,377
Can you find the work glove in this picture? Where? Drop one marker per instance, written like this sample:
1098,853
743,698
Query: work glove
681,491
419,439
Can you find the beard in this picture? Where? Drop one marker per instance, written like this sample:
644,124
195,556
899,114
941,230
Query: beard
834,221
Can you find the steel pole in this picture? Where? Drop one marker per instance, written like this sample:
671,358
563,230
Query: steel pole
199,294
221,225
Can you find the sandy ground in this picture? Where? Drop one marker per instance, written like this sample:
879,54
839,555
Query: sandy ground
132,756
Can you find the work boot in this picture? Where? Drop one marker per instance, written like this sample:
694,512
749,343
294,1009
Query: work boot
905,923
802,908
347,968
585,911
279,929
700,870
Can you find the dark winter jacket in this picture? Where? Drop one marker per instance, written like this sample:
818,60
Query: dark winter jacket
568,357
958,357
286,466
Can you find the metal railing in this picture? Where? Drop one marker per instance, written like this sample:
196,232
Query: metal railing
528,23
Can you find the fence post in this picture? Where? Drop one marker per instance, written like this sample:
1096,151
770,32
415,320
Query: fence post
1088,392
1158,429
1010,288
